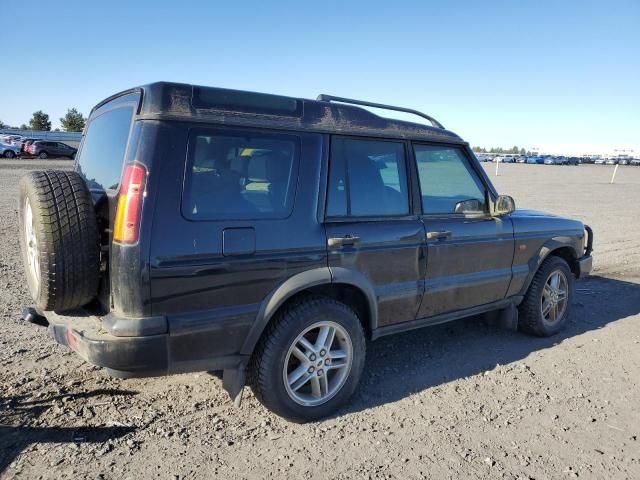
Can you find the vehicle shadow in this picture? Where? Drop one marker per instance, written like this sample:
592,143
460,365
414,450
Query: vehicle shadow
18,414
403,364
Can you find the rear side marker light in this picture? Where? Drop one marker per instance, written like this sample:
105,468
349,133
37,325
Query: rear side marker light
132,189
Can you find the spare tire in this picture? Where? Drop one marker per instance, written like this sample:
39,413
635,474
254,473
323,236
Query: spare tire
59,240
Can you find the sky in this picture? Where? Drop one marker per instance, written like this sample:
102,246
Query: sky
546,74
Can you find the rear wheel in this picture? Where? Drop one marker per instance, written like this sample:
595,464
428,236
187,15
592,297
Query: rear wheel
9,154
310,359
59,240
546,305
43,155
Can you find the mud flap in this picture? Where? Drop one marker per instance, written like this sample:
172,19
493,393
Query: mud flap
233,381
506,318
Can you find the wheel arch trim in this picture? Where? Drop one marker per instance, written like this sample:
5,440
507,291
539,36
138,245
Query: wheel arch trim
545,251
299,283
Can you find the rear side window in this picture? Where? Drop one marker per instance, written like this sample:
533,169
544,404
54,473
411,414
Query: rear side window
367,178
235,175
102,153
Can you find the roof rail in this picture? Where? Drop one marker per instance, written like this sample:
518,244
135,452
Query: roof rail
329,98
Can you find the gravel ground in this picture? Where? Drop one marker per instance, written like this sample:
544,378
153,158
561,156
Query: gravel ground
460,400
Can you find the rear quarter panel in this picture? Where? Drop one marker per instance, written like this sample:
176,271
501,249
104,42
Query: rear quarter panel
195,285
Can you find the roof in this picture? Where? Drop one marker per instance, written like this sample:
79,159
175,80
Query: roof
176,101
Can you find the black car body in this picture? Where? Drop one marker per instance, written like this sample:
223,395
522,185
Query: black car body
252,202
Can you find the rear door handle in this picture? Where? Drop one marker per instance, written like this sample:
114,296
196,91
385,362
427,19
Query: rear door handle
343,241
439,235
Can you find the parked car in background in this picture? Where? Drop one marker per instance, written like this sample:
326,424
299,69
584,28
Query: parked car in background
535,160
573,161
635,162
8,150
611,161
43,149
521,159
24,147
600,161
12,139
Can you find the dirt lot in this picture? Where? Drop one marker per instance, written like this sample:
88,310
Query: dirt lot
455,401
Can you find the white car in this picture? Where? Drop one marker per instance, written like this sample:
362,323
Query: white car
8,150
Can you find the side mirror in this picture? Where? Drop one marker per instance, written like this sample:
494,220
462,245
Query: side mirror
468,206
504,205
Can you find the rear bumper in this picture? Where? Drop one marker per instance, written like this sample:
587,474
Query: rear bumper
123,356
132,356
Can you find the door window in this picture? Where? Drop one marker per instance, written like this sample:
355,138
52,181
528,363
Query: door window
447,180
367,178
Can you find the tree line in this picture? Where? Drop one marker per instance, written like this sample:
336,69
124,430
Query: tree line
512,150
73,121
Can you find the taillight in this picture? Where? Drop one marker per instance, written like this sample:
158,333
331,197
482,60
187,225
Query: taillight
127,225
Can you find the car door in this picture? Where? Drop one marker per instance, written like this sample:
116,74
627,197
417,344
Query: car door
63,149
469,252
372,232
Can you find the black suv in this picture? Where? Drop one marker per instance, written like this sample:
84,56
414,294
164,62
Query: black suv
270,237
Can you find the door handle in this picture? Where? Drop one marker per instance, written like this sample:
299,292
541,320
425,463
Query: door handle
440,235
343,241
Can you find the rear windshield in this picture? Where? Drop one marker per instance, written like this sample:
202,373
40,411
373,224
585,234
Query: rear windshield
103,148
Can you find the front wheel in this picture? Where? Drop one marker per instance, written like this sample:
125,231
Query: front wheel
310,359
9,154
43,156
545,308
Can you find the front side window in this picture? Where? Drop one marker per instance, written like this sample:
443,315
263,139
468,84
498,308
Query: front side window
239,176
447,181
367,178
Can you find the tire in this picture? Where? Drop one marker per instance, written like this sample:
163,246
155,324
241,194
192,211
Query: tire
267,371
43,155
532,319
9,154
59,240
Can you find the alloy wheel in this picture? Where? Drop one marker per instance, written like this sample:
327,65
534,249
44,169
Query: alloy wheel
318,363
555,295
31,243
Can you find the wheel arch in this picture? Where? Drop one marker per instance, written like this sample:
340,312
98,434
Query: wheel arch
345,287
553,247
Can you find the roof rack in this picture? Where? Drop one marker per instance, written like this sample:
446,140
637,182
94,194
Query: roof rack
329,98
